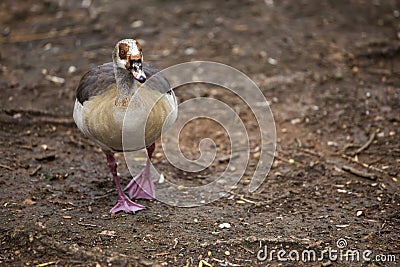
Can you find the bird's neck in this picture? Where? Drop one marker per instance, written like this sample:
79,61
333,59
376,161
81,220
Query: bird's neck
126,86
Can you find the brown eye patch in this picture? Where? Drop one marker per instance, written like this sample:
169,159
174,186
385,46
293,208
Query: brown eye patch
123,50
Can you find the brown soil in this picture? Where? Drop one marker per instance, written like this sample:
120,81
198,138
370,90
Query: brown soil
334,87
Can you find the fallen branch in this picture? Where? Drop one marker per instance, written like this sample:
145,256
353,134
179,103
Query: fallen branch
359,173
6,167
365,146
40,116
21,38
365,165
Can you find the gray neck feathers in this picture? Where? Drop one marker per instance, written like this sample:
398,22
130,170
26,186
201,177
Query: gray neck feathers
125,83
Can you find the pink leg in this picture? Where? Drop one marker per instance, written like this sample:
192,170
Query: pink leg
124,203
142,186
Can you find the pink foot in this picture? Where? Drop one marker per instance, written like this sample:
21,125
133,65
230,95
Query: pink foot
126,205
142,185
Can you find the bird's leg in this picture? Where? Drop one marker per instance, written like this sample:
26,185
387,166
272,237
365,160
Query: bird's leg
142,186
124,203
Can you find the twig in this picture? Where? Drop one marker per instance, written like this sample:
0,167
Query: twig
105,195
47,264
43,157
354,171
42,116
21,38
299,143
226,262
365,165
87,224
308,151
162,253
347,146
50,120
241,197
34,112
247,249
6,167
365,146
290,161
33,173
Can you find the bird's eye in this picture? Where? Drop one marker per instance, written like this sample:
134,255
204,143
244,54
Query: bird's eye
122,54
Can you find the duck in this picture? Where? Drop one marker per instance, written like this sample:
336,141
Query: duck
128,95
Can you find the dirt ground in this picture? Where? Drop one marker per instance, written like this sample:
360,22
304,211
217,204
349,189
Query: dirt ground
330,70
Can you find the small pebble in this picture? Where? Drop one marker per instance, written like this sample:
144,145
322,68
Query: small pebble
107,232
227,253
137,24
295,121
55,79
240,27
272,61
190,51
166,52
236,50
326,264
224,225
332,143
71,69
161,180
359,213
47,46
263,54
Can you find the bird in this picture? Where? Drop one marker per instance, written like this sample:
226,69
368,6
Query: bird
111,91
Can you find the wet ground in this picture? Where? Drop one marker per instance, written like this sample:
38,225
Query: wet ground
330,71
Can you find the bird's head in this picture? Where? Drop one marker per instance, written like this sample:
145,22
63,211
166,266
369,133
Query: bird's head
128,55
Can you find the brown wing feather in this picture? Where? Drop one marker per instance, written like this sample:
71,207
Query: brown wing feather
95,82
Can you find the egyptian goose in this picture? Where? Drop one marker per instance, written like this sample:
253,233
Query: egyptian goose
106,94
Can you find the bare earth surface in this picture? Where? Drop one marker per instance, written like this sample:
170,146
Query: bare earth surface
329,69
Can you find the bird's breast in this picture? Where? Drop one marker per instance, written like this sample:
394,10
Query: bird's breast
129,127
